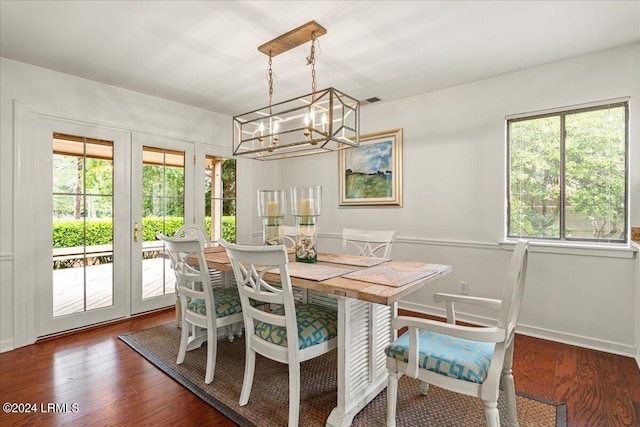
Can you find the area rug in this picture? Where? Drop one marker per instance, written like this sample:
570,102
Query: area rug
268,404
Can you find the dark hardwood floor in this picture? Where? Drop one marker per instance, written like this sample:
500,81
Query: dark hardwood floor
103,382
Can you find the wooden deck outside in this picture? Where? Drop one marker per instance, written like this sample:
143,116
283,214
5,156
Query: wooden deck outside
68,285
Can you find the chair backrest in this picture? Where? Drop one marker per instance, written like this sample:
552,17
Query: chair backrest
513,289
193,230
289,236
190,267
369,243
250,264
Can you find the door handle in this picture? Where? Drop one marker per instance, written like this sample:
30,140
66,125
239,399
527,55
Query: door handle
136,232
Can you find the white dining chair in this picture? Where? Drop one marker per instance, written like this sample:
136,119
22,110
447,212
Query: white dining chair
218,278
468,360
194,230
371,243
291,333
201,306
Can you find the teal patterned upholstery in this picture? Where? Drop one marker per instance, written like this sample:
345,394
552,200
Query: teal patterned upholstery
227,302
446,355
316,324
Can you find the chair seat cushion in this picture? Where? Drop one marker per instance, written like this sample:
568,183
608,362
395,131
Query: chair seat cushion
454,357
227,302
316,324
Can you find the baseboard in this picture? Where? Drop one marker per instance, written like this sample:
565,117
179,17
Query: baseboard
6,345
550,335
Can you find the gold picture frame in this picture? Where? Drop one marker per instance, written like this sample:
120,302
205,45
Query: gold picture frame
371,174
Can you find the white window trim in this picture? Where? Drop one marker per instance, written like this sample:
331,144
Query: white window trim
568,108
564,246
613,250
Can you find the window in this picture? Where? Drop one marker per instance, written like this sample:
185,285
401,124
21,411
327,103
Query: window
163,210
220,198
82,224
567,174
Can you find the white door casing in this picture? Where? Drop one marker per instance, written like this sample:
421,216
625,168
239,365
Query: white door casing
33,228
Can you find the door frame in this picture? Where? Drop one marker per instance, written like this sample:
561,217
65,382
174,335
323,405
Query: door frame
32,231
26,241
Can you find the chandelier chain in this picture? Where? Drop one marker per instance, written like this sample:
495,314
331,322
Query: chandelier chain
270,73
311,60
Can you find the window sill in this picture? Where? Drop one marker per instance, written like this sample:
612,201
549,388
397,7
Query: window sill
582,249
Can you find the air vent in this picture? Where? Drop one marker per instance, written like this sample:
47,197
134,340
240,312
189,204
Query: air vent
370,100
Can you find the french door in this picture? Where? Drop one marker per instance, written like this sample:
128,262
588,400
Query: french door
99,196
162,194
82,250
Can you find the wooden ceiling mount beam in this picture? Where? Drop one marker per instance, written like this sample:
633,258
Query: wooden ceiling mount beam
293,38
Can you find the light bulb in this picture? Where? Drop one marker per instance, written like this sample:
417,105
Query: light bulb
261,127
276,126
324,118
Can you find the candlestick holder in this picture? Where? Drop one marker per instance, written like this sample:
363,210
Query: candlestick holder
272,209
306,204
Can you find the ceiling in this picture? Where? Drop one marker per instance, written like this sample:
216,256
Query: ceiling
204,53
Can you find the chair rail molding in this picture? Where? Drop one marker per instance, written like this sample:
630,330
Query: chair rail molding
535,246
418,241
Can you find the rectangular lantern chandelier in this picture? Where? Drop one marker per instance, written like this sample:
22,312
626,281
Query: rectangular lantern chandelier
317,122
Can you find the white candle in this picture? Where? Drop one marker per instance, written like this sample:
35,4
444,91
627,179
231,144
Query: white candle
305,207
273,209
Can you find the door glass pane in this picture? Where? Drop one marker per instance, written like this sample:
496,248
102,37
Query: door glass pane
175,179
220,198
82,224
163,212
595,174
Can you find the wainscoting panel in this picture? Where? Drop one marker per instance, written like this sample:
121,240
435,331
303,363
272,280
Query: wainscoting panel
6,294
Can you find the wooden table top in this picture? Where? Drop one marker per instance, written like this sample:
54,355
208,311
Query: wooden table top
344,286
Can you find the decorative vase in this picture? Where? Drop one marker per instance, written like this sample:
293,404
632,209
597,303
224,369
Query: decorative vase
273,231
306,239
272,209
306,204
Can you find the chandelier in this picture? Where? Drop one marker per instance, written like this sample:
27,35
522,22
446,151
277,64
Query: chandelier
318,122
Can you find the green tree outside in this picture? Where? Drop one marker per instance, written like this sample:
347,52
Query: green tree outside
594,175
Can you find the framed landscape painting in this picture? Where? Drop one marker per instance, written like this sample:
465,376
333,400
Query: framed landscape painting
371,174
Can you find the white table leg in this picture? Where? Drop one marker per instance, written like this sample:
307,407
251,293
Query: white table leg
364,331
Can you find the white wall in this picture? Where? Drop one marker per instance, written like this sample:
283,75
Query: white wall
454,198
79,99
454,178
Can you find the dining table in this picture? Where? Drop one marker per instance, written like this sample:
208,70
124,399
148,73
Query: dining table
365,291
